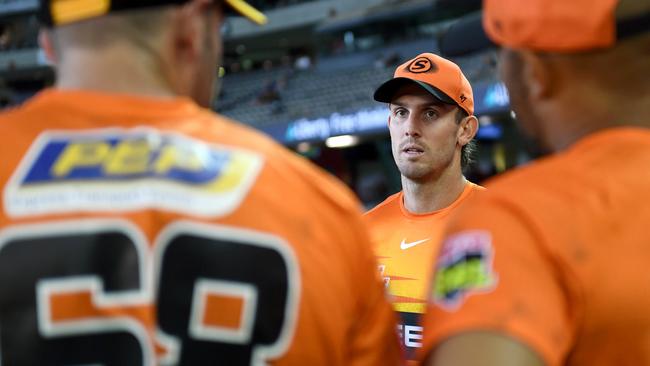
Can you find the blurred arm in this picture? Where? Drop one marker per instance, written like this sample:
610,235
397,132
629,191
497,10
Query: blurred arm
482,349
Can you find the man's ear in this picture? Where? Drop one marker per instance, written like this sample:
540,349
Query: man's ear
538,73
46,41
468,127
185,43
187,31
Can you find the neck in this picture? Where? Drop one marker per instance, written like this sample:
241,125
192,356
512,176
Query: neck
433,194
579,119
108,70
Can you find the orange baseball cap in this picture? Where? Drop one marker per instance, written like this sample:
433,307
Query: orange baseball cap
548,25
562,25
440,77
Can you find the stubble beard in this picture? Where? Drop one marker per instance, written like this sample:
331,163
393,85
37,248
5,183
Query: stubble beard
418,172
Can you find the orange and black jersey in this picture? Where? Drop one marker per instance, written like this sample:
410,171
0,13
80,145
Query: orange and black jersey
140,231
555,256
405,244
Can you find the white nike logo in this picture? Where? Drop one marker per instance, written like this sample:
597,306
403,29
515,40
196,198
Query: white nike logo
406,245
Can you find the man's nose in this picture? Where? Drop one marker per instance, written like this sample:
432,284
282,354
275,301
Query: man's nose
412,128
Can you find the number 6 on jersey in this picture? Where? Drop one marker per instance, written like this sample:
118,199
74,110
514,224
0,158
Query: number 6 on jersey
223,296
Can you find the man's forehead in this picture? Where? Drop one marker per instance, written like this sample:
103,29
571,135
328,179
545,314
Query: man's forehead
424,99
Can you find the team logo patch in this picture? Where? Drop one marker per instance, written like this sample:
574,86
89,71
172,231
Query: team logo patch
421,65
464,267
118,169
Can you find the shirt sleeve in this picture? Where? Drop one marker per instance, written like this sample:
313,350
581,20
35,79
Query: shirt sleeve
493,273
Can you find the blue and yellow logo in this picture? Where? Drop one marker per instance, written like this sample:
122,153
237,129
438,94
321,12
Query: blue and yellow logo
130,169
127,157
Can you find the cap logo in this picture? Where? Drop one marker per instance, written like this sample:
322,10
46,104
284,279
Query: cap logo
463,98
421,65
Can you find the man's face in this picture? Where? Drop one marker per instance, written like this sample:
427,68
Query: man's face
423,132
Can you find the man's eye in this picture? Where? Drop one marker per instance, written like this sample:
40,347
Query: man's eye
400,113
431,114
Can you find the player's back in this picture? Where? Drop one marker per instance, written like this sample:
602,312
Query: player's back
588,209
136,230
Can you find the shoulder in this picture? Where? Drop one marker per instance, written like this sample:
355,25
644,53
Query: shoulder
524,197
475,187
229,131
17,127
290,172
389,204
549,176
10,116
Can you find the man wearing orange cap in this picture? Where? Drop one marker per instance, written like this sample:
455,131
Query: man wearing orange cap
138,228
431,125
549,266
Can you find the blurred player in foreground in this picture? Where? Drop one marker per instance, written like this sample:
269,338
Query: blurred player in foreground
431,124
138,228
549,266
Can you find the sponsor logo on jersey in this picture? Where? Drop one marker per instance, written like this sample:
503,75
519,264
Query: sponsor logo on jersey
464,267
404,245
119,169
410,333
408,288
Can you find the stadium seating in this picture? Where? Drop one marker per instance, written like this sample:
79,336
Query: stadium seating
320,91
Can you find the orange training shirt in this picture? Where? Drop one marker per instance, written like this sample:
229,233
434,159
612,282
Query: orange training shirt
555,255
404,245
137,230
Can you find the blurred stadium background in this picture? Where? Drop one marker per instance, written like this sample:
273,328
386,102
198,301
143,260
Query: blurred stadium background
307,79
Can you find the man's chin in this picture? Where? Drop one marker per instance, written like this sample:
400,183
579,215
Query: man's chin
416,175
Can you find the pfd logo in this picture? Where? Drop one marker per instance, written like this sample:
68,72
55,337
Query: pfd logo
421,65
129,170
